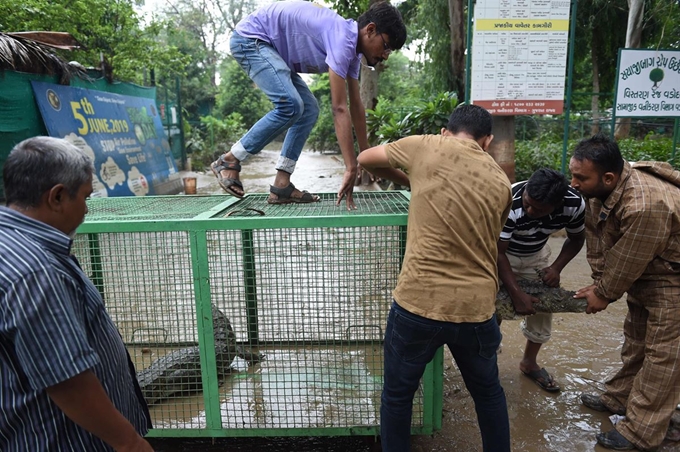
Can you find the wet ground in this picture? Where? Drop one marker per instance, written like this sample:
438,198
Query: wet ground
583,352
315,172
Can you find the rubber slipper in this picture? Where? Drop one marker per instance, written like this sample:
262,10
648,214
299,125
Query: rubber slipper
543,379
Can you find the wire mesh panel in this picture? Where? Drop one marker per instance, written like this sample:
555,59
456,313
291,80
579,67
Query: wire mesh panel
373,203
147,284
152,207
248,318
316,309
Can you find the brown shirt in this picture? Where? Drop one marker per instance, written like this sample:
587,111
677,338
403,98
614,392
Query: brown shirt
460,199
634,236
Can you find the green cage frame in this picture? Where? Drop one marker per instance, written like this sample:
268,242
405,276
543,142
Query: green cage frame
198,216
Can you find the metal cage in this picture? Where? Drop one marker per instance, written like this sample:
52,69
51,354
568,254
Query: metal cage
250,319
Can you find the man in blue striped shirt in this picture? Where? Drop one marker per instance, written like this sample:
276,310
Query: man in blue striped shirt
67,380
541,206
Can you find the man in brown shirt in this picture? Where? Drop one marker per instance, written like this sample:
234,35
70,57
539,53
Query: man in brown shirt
633,240
447,287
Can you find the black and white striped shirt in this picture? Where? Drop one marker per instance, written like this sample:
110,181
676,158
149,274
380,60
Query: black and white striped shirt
53,326
529,235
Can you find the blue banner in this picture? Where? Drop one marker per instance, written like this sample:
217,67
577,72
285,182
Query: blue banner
123,135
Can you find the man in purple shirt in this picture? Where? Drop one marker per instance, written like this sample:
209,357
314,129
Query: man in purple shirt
276,43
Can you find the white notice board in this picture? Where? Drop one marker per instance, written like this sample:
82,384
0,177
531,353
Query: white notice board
648,83
519,56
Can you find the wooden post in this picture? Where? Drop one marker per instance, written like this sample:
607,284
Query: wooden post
502,147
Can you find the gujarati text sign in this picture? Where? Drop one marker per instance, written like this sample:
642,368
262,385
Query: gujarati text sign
519,56
648,83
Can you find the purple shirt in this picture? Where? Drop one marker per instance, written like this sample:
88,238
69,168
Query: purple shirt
310,38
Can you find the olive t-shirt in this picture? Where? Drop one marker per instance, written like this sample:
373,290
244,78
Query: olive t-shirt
460,199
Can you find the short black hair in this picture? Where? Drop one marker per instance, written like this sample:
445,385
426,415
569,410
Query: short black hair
471,119
547,186
602,151
388,20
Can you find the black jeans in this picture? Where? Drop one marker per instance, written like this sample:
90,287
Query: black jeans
410,344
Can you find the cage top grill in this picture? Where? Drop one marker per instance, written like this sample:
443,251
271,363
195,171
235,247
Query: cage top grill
228,208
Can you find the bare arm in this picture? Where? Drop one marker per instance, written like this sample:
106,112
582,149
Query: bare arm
376,162
356,109
84,401
570,248
522,301
343,130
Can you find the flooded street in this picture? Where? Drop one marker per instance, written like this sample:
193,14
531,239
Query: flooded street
583,352
315,172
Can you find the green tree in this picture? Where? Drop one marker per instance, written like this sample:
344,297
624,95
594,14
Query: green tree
184,30
401,83
238,94
432,18
200,29
206,24
322,137
108,28
596,46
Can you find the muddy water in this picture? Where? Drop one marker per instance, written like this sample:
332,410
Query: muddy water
315,172
583,352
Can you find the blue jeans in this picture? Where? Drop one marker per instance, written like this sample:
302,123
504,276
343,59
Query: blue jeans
410,344
295,107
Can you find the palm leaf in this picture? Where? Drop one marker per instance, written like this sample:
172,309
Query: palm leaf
21,54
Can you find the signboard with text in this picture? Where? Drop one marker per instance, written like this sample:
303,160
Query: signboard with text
123,135
648,83
519,56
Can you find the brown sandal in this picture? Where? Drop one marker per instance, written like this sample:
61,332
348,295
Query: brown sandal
227,182
283,196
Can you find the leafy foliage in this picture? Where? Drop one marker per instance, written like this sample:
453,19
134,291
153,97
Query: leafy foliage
108,27
433,20
400,88
322,137
531,155
238,94
216,137
401,81
350,9
426,117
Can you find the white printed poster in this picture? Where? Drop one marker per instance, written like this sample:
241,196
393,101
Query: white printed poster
648,83
519,56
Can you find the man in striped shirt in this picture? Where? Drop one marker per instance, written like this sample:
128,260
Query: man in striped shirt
67,381
541,206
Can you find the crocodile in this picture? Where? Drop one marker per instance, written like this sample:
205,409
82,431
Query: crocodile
553,299
178,373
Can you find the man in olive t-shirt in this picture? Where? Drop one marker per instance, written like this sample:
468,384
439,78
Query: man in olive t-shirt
460,199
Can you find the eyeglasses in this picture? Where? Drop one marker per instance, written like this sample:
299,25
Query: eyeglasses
386,46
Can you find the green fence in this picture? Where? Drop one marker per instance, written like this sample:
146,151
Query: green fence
306,290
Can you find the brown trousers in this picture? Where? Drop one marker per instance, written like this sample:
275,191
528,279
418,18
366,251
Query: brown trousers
648,384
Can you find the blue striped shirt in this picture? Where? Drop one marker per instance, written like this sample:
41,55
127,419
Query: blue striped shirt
53,326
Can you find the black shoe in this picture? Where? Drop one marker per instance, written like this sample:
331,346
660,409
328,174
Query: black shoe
594,402
614,440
